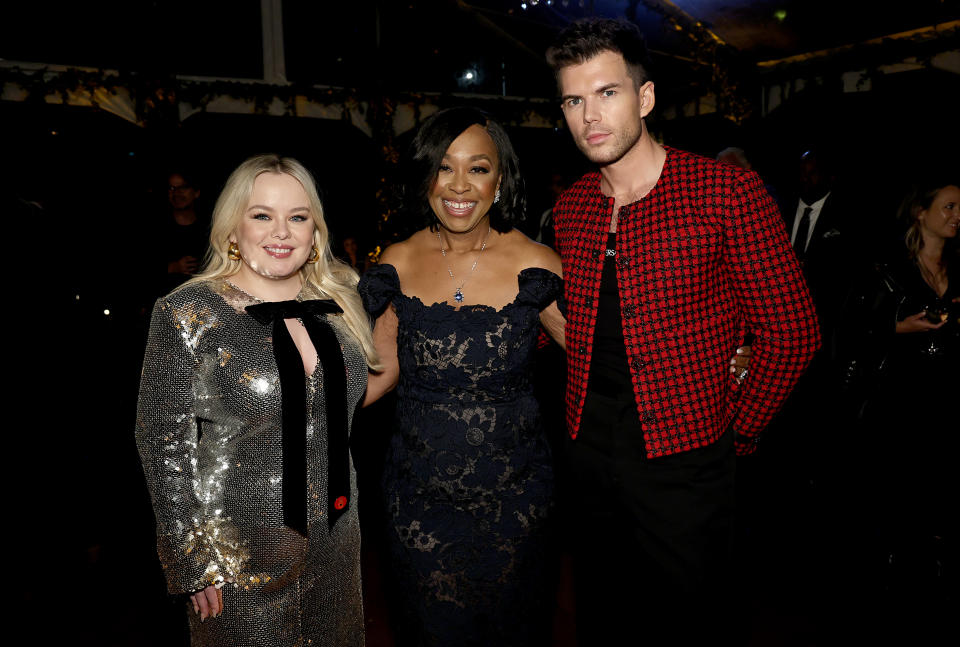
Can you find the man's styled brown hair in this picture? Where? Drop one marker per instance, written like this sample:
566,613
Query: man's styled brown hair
582,40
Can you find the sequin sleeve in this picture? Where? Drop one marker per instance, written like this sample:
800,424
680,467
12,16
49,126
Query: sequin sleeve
196,544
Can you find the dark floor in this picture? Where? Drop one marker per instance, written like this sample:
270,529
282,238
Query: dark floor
110,594
84,569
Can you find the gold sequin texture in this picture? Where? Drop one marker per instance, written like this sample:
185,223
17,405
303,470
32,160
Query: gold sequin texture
208,432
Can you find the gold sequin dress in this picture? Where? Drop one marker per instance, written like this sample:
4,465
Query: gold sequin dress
209,436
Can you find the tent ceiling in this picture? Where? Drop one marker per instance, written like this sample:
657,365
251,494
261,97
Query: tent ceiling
429,45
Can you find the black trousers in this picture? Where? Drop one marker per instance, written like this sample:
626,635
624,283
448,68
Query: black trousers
652,538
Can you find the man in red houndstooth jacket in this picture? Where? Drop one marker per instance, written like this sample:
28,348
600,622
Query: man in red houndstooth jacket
669,259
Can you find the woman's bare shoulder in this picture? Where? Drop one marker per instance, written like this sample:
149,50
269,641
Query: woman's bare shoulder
401,254
530,253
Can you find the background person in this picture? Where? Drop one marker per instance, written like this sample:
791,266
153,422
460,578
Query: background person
183,233
906,333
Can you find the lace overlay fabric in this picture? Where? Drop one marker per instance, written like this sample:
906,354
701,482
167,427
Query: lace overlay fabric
468,482
209,436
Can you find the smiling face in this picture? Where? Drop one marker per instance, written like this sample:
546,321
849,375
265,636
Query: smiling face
943,216
603,107
275,231
467,181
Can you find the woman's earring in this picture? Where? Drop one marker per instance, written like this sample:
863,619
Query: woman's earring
315,256
496,197
233,252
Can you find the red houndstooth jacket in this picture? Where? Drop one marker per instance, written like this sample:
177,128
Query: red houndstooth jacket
702,259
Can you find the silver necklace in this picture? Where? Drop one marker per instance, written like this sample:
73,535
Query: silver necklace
458,295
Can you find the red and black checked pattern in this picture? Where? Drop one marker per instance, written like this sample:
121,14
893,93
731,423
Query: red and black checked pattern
703,258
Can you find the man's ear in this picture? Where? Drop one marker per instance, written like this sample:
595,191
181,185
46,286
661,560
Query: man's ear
648,98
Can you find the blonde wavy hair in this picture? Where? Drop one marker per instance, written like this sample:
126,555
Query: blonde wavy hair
333,277
920,198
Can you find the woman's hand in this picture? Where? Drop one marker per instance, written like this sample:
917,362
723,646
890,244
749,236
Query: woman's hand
208,602
554,323
740,362
917,323
185,265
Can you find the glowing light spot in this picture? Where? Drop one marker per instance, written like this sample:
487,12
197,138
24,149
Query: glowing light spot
106,311
780,14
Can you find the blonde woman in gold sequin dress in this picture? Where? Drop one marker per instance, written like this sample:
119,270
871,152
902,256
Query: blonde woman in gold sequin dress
251,374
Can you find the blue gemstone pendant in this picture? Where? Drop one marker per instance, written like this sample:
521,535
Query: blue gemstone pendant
458,296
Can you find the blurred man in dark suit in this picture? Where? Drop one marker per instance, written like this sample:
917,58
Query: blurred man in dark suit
815,224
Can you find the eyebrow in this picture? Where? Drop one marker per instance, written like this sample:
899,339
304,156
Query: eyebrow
261,207
602,88
473,158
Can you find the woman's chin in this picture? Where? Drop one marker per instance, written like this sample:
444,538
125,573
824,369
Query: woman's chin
275,271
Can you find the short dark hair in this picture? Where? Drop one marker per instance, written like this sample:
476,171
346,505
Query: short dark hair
189,175
581,40
421,165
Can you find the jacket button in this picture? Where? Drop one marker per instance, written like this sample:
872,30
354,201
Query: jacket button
588,302
582,349
647,417
340,503
629,310
622,262
639,363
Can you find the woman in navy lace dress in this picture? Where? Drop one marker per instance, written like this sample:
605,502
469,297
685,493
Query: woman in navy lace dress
468,482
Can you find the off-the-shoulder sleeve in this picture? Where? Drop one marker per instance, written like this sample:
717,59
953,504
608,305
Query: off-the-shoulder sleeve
377,287
196,544
539,287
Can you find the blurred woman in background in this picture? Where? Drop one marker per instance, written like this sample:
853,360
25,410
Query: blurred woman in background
906,324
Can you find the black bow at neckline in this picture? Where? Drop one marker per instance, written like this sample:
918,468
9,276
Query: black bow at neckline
294,405
268,311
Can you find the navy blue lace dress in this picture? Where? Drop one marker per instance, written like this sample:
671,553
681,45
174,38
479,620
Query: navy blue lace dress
468,481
